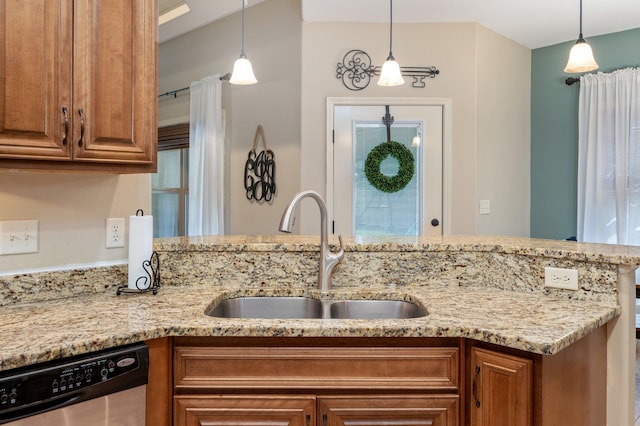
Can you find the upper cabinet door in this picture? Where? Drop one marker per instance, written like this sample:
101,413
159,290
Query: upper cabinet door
35,79
115,82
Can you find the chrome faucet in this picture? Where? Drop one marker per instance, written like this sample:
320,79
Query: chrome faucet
328,259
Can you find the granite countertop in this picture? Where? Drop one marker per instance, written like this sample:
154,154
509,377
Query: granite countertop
559,249
36,332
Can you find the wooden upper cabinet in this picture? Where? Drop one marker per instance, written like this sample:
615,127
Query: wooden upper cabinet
78,85
35,78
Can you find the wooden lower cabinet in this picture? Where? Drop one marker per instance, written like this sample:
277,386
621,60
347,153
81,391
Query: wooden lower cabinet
501,390
515,388
378,381
316,382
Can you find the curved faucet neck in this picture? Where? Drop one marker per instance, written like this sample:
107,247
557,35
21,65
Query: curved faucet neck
328,260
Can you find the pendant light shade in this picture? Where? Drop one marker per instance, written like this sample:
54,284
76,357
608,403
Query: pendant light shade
242,72
242,69
581,56
390,75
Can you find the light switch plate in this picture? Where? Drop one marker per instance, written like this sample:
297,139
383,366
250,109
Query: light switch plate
18,236
485,207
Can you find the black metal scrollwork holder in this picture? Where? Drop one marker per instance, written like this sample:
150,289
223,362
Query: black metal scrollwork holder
356,71
148,282
260,171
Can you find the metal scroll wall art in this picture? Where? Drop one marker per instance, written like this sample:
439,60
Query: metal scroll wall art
260,171
356,71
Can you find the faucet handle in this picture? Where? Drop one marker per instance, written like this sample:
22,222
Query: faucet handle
340,253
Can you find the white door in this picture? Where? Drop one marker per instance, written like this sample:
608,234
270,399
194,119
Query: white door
358,207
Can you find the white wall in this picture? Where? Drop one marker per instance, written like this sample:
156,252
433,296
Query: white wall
72,210
272,43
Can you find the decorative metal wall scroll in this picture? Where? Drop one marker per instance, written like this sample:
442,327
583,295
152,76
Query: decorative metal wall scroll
260,171
356,71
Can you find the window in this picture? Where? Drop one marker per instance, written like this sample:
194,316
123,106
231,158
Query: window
377,212
170,185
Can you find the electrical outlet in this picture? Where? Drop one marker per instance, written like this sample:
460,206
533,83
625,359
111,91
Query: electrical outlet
561,278
18,236
115,232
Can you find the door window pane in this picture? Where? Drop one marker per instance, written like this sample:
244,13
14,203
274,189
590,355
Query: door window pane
377,212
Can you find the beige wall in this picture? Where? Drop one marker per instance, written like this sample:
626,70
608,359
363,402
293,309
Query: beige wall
272,43
504,133
72,210
295,63
469,57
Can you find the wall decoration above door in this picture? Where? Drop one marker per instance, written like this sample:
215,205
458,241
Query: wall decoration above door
260,171
356,71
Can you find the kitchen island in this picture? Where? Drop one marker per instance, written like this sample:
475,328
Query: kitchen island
479,288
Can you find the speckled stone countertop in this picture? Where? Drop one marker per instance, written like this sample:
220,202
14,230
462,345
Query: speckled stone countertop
524,316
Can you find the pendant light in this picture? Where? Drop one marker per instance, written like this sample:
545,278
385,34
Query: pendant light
242,69
581,56
390,74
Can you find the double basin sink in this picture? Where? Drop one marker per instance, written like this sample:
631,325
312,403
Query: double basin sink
287,307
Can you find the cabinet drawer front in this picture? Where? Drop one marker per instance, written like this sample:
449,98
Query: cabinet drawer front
219,410
316,368
373,410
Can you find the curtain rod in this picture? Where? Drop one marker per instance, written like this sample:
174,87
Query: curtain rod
570,80
174,93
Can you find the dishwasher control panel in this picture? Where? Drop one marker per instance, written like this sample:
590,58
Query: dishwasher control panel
81,377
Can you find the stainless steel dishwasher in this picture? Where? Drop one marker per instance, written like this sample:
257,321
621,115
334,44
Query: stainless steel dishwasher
106,388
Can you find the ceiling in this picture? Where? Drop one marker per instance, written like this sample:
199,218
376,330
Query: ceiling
533,24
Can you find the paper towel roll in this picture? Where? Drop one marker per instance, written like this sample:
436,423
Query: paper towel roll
140,250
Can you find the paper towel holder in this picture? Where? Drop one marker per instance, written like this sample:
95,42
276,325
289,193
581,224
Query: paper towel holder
148,282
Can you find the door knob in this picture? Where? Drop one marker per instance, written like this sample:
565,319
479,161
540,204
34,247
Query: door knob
435,222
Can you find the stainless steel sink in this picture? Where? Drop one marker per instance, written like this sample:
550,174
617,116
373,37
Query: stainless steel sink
375,309
284,307
267,307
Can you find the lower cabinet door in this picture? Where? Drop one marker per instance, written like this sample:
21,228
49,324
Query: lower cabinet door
218,410
398,410
501,389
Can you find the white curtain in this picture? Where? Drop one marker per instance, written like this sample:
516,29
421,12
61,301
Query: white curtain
609,158
206,159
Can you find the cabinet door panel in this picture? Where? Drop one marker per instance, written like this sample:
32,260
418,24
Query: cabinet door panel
501,391
373,410
249,410
115,81
35,78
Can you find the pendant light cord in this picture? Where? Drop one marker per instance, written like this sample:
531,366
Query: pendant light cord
580,36
242,55
391,29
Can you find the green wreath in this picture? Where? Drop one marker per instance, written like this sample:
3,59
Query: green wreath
385,183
